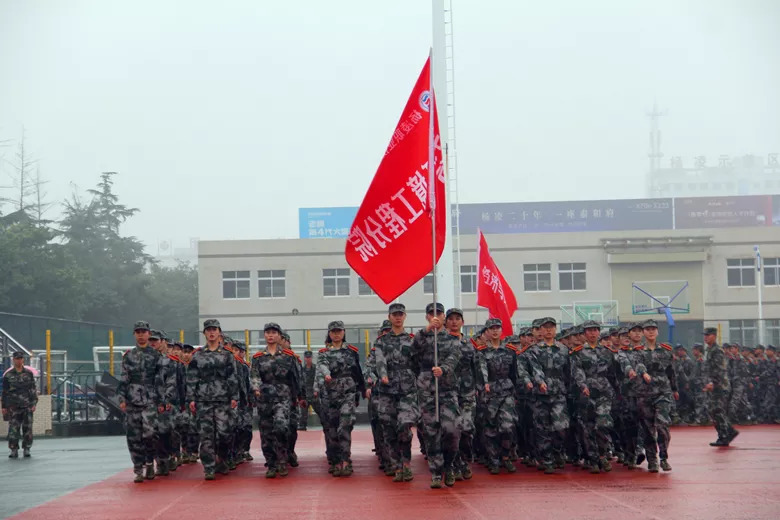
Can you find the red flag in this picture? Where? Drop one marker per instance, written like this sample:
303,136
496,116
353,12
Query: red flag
390,242
492,290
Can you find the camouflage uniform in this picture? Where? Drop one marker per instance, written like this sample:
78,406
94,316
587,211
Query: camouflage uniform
308,382
212,383
275,376
717,374
19,397
340,396
655,400
700,398
768,377
295,413
592,368
500,415
396,401
740,409
179,404
524,399
141,387
243,412
441,437
550,365
166,419
472,373
369,373
683,409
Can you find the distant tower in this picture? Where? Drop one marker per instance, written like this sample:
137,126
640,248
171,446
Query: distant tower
655,154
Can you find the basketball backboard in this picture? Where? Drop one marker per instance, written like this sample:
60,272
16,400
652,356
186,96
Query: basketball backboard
655,297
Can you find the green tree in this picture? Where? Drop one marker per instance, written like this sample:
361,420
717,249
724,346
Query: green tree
173,298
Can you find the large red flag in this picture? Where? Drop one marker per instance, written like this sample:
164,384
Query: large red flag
391,240
492,290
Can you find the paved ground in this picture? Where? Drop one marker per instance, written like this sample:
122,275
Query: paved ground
728,483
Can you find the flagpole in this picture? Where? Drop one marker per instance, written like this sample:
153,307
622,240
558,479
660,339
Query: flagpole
432,206
476,296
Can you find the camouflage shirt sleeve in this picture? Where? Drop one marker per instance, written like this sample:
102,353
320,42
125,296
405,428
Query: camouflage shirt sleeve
124,380
381,362
192,379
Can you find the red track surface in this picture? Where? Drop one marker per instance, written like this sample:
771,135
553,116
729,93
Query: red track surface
742,481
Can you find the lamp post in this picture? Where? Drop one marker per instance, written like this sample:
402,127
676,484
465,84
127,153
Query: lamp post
760,303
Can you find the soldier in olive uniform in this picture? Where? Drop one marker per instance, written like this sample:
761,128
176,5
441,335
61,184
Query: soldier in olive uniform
242,439
718,384
500,414
396,393
740,408
166,418
142,396
592,369
472,374
295,405
769,376
550,365
436,370
683,370
213,394
340,376
697,381
275,383
18,404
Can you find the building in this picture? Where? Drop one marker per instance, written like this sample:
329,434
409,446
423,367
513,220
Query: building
727,176
570,275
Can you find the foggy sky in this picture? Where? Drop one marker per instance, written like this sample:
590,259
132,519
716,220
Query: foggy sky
225,117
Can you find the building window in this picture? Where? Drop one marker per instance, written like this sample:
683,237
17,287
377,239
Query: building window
771,271
743,332
428,284
772,332
468,279
741,272
271,284
235,285
335,282
536,277
571,277
364,289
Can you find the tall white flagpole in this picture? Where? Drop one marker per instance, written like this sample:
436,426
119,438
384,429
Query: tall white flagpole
432,207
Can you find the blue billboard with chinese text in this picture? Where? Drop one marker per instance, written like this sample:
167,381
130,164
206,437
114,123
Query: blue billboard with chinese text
325,222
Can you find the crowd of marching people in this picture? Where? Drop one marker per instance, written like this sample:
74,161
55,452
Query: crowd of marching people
544,398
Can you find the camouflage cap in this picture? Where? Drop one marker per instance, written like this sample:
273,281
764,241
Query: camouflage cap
771,347
622,331
272,326
679,346
187,348
565,333
493,322
176,344
634,325
647,324
285,337
590,324
386,325
481,331
396,307
452,311
164,336
18,355
526,332
141,325
227,340
307,354
604,335
758,347
710,330
698,346
155,334
536,323
577,329
335,325
240,345
211,323
439,308
547,320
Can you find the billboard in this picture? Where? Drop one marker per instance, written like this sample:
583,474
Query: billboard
723,212
551,217
325,222
582,215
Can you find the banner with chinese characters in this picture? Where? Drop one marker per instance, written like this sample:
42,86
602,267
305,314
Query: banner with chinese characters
325,222
722,212
493,292
390,243
565,216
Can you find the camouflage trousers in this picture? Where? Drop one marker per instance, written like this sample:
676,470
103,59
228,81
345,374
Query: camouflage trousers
740,409
718,408
768,412
189,436
141,426
397,414
20,426
339,410
629,426
376,431
551,420
303,417
654,420
292,435
525,427
319,409
595,423
274,418
500,417
165,427
700,405
468,411
213,421
440,437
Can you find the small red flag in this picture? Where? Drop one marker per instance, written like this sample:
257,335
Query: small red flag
492,290
390,242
